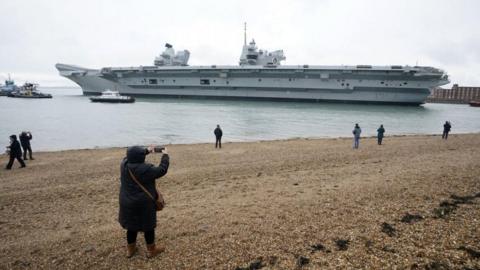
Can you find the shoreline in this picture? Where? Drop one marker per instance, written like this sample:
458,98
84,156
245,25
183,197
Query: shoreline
413,202
259,141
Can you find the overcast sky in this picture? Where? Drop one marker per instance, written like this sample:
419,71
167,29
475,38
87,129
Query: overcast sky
36,34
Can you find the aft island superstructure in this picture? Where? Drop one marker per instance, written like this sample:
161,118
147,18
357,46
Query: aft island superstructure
260,75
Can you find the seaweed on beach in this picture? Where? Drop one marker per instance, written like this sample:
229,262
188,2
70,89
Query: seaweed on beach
388,229
445,209
317,247
448,207
409,218
257,264
302,261
437,266
462,199
473,253
342,244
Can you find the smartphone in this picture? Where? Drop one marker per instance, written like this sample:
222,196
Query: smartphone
158,149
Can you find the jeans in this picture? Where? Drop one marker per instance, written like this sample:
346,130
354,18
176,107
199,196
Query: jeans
356,142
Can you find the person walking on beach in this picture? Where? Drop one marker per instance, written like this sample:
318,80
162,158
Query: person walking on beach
25,138
446,129
138,209
218,136
356,136
380,132
15,152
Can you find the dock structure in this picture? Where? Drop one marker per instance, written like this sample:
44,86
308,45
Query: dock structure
457,94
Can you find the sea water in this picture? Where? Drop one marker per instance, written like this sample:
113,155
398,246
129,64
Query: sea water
70,121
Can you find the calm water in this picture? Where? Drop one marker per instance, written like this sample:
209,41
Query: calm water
71,121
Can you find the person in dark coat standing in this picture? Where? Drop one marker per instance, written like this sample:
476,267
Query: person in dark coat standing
15,152
446,129
218,136
137,210
25,138
356,136
380,132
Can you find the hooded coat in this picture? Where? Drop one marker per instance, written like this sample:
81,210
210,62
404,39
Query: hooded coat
15,150
137,209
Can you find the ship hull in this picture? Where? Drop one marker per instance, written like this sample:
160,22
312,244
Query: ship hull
257,84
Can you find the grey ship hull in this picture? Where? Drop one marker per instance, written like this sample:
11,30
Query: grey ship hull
357,84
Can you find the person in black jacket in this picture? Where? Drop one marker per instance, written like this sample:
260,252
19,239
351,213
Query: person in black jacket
15,152
218,136
380,132
446,129
25,138
137,210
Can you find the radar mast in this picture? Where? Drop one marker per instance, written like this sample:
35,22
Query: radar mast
245,34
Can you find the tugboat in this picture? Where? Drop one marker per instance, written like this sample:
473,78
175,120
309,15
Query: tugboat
110,96
8,87
28,90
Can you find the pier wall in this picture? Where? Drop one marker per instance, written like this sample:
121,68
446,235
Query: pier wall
457,94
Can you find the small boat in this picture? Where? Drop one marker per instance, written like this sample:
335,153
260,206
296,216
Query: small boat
28,90
475,103
110,96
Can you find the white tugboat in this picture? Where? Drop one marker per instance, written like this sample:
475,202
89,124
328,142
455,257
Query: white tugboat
110,96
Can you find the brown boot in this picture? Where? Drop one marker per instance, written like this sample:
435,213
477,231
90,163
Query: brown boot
153,250
131,250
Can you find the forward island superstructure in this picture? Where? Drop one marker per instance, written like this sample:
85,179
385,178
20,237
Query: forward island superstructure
260,75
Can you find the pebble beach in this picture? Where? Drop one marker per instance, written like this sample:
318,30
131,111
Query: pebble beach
412,203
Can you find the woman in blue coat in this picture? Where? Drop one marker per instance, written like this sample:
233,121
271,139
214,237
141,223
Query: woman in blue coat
137,210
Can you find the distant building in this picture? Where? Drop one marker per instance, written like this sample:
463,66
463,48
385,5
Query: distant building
458,94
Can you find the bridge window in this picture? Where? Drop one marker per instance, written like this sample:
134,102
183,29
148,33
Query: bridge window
152,81
204,82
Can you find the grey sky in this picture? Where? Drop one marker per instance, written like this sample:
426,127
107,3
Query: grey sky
34,35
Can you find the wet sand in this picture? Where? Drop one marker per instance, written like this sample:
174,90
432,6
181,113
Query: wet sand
413,203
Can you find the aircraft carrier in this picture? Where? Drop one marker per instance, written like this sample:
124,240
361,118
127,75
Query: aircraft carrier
260,75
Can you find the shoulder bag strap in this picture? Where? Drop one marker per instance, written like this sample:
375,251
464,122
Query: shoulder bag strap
141,186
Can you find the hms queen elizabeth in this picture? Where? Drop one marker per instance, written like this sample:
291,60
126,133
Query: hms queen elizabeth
259,75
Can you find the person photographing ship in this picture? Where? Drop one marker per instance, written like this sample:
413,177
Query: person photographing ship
139,198
25,138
